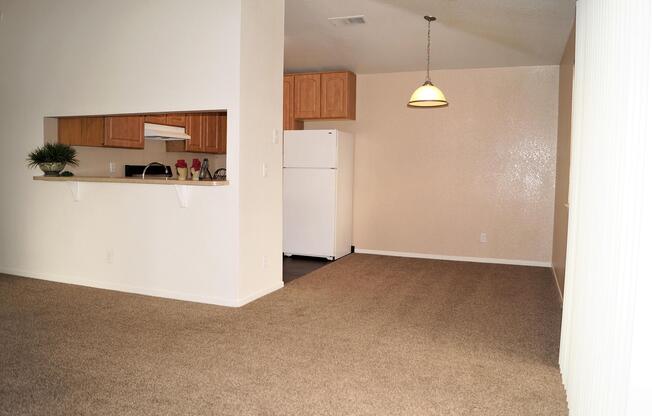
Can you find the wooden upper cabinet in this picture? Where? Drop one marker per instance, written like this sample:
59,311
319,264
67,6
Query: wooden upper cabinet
289,121
288,102
93,131
81,131
193,128
124,131
207,134
315,96
307,101
221,131
174,119
178,120
214,132
70,131
207,131
156,118
338,95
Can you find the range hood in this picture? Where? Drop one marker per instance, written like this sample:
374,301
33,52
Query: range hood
163,132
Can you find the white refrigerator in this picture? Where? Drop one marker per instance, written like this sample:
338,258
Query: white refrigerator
317,193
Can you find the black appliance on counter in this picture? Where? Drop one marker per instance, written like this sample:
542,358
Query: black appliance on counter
152,171
220,174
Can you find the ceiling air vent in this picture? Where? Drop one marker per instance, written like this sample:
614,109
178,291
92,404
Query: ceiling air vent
347,20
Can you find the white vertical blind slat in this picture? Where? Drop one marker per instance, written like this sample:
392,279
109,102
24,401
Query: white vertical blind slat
607,318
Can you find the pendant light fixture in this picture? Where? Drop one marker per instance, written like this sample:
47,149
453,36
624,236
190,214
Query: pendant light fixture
428,95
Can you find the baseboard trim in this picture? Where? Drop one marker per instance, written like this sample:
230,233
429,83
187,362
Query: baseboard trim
514,262
188,297
259,294
554,275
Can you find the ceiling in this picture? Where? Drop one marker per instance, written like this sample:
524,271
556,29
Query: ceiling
467,34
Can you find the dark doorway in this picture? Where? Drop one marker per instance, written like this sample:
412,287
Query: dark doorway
297,266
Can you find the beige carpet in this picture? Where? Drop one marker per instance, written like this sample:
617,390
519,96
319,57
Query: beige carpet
366,335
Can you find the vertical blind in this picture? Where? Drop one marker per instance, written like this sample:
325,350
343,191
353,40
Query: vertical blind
607,323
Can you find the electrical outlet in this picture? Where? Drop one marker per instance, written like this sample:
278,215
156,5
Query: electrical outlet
112,168
483,237
109,256
264,170
275,136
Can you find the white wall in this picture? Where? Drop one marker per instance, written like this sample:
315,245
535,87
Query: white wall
261,113
75,57
606,337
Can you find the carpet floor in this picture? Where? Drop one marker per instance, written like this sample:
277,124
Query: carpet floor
365,335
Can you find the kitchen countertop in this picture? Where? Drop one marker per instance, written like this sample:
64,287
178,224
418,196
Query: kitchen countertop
136,180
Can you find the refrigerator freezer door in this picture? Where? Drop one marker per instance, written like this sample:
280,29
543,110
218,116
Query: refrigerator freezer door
309,211
310,149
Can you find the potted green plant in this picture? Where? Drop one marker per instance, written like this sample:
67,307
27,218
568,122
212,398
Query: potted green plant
51,158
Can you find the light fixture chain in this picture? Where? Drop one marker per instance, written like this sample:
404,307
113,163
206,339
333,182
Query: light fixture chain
428,55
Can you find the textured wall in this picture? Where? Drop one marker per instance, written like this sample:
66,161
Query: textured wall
563,161
430,181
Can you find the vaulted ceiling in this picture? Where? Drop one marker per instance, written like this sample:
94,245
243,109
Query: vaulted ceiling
467,34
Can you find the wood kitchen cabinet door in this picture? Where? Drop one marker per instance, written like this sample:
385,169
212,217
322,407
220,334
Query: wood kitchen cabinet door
175,119
156,118
207,134
221,132
289,121
194,129
178,120
124,131
288,102
70,130
307,96
92,131
81,131
214,132
338,95
192,123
